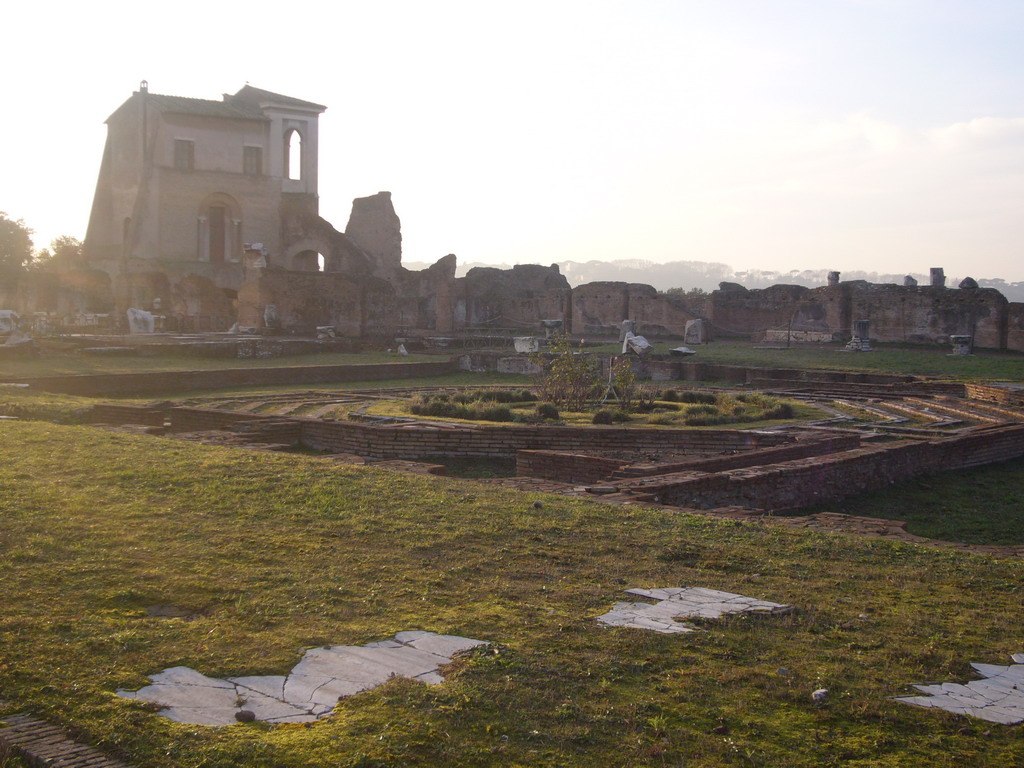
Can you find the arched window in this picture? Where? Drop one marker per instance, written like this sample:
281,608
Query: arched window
293,154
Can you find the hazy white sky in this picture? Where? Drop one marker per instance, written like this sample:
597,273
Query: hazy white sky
882,135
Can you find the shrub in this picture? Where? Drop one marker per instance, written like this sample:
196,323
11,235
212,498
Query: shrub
670,396
663,419
494,413
697,397
604,416
505,395
547,411
701,410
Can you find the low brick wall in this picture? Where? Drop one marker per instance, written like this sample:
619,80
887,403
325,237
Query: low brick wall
800,483
202,419
183,381
109,413
566,467
413,441
802,449
997,395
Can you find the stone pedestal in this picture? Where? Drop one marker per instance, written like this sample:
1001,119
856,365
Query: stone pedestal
938,277
961,345
628,326
833,279
861,333
551,327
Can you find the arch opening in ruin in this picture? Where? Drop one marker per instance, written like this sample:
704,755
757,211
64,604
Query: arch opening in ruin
220,229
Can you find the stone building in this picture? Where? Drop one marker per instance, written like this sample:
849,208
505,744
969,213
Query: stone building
187,186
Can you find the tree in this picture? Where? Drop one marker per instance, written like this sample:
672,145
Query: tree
570,377
15,246
64,251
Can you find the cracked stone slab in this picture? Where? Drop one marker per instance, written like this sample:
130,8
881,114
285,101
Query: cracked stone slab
312,688
677,603
998,698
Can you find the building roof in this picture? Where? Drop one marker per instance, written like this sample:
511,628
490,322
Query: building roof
247,104
251,95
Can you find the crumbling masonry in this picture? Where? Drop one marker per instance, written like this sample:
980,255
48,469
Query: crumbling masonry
206,213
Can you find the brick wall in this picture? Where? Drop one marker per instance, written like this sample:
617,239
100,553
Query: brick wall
803,482
799,450
565,467
109,413
998,395
410,442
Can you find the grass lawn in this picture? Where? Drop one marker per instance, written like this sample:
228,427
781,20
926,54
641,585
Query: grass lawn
977,506
279,553
68,362
884,358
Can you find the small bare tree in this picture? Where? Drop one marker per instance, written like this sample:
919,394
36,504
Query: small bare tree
569,377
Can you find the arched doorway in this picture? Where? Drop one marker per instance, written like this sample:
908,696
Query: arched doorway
220,229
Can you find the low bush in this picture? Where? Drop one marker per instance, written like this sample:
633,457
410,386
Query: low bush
696,397
547,411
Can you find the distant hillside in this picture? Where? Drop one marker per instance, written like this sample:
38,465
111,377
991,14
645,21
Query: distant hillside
707,275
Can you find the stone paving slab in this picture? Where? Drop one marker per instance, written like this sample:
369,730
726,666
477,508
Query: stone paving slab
311,690
676,603
999,698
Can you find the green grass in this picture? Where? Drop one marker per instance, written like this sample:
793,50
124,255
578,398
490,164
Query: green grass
282,552
10,761
884,358
975,506
67,362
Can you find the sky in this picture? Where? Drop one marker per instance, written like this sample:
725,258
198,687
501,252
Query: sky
877,135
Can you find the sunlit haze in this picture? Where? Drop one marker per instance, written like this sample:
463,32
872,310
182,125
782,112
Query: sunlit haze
883,135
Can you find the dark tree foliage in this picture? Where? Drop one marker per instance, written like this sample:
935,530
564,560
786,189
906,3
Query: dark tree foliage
15,246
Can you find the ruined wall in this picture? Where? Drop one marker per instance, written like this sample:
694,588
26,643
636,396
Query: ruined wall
519,297
921,315
599,309
356,305
735,311
657,314
929,315
305,233
425,297
1015,326
376,229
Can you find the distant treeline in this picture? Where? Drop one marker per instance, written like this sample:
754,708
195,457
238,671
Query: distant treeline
706,275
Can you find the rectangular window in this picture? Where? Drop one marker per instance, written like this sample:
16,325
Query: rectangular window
252,161
184,154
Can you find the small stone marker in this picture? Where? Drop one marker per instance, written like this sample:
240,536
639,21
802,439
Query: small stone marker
310,691
961,345
999,698
526,344
677,603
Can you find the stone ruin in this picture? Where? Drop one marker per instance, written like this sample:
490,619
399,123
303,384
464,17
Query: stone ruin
213,212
